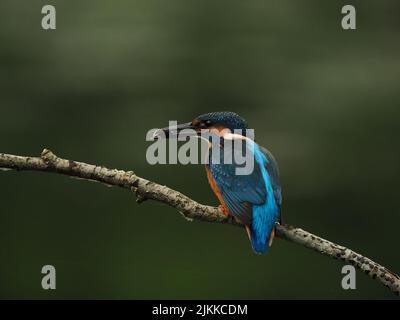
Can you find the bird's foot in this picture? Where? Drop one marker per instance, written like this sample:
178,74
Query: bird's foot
224,209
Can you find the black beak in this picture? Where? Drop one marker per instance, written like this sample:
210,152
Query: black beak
173,132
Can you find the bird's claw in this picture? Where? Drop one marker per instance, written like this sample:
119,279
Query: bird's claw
223,209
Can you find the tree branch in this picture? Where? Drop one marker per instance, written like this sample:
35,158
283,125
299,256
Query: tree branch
190,209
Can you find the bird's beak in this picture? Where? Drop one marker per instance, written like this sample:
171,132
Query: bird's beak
172,132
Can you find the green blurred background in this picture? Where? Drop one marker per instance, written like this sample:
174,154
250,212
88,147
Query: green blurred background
325,101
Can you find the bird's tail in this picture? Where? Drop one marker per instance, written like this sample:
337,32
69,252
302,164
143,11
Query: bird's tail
260,246
262,230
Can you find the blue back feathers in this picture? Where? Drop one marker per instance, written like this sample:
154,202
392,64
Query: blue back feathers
267,214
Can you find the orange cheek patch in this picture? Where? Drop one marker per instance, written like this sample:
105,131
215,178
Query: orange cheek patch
218,130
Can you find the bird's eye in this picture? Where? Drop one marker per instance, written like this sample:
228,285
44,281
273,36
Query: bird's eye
201,124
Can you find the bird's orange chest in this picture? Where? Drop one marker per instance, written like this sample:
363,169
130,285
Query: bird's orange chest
216,189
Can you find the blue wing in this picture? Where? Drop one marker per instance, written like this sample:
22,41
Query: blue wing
241,192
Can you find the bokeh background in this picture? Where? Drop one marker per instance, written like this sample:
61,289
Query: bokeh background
325,101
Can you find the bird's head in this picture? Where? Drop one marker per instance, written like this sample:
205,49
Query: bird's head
213,121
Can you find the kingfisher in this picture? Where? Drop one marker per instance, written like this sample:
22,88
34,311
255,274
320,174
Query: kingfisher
254,198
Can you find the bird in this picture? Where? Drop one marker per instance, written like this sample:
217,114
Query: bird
254,199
